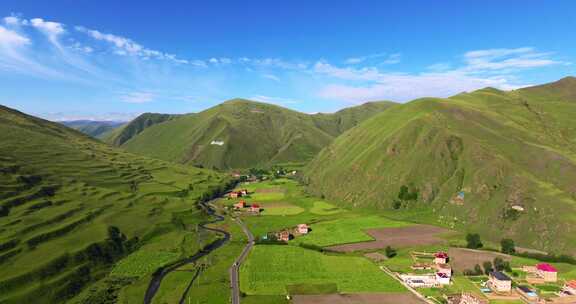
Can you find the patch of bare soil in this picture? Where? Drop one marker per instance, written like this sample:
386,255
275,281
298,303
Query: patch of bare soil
397,237
463,259
365,298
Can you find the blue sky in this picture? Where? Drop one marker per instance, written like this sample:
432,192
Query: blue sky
115,59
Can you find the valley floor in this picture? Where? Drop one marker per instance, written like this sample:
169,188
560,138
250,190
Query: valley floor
309,268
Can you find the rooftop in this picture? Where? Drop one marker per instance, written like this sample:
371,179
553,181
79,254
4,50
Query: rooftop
546,267
442,255
500,276
572,283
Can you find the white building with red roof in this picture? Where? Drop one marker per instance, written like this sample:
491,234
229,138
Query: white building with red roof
547,272
440,258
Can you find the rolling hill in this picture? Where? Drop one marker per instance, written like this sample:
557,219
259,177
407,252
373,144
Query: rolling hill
93,128
241,134
495,162
72,207
122,134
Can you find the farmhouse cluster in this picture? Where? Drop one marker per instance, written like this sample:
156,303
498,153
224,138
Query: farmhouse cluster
440,276
287,234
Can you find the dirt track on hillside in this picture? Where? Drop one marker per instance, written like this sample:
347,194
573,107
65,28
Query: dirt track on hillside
364,298
397,237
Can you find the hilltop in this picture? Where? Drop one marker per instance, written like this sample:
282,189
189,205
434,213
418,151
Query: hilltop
124,133
242,133
71,207
495,162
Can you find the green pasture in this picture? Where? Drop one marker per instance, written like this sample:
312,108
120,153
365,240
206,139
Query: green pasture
271,268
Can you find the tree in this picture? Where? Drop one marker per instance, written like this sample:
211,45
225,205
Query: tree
477,270
499,264
487,267
390,252
508,246
473,241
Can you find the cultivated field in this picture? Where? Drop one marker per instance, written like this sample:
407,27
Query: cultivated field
270,268
463,259
415,235
364,298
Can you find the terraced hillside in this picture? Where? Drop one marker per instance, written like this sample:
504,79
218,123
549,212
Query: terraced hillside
71,208
500,163
241,134
93,128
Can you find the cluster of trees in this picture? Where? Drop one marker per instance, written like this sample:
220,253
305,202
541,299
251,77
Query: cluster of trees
390,252
497,264
473,241
405,195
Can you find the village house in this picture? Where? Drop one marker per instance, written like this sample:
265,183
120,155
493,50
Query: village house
499,282
283,235
244,192
254,208
302,228
547,272
240,205
444,269
442,278
528,295
440,258
465,298
420,281
569,288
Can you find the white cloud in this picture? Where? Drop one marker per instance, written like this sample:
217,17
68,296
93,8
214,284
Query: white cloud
408,87
10,39
347,73
137,97
507,59
390,58
271,77
51,29
125,46
12,20
273,100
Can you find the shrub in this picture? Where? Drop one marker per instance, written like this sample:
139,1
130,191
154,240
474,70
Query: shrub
473,241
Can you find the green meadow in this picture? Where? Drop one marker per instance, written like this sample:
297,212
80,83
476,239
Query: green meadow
271,268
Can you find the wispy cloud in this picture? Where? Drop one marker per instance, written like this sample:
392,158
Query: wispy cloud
137,97
274,100
382,58
480,68
107,116
271,77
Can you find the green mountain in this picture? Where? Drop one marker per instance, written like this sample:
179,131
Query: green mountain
93,128
123,134
71,207
241,133
495,162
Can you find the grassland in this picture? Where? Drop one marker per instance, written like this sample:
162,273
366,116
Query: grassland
271,268
73,210
500,149
253,134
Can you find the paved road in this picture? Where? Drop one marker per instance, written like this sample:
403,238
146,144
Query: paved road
234,270
159,275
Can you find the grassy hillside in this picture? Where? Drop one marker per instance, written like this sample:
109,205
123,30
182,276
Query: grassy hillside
93,128
250,134
71,208
123,134
469,160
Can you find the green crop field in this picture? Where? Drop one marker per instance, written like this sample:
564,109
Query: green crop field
271,268
347,230
323,208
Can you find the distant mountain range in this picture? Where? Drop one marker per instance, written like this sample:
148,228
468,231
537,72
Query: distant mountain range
502,163
93,128
238,134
